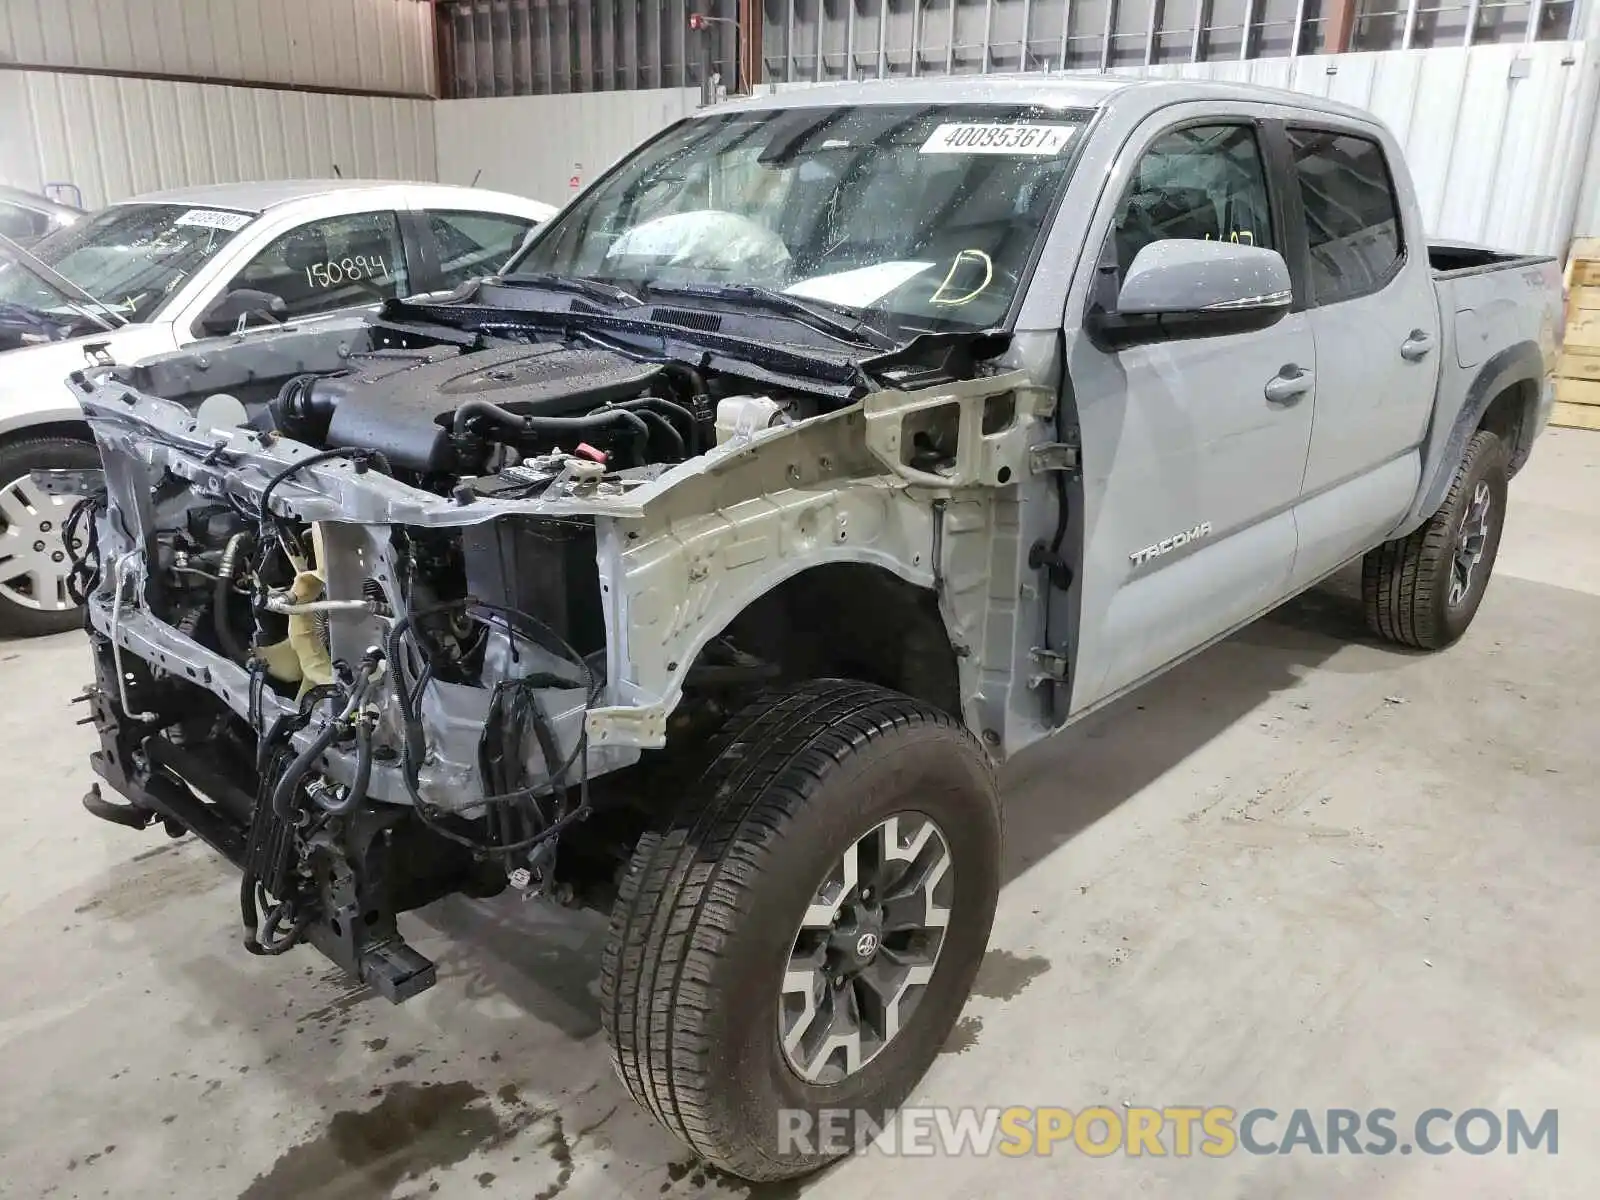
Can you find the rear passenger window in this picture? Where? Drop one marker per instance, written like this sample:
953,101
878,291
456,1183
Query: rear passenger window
1352,214
1202,182
475,244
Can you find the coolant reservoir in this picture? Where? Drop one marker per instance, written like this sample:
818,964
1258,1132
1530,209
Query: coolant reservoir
741,417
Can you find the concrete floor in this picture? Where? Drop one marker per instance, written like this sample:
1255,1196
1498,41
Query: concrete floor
1301,871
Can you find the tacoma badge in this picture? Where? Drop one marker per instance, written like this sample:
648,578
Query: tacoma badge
1166,545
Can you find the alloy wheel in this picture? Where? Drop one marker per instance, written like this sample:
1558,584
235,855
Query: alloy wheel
866,948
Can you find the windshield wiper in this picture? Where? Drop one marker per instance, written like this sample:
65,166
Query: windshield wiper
845,328
53,278
576,284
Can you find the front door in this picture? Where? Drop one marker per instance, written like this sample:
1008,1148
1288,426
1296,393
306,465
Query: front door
1193,450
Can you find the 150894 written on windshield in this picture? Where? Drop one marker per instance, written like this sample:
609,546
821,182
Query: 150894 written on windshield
352,269
998,138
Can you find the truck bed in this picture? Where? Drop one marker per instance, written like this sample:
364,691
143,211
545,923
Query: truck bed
1489,303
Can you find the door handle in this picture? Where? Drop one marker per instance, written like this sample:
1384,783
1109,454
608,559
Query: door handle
1288,385
1416,347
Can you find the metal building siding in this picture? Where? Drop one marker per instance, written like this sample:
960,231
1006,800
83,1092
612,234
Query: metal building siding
532,145
118,137
381,45
1496,136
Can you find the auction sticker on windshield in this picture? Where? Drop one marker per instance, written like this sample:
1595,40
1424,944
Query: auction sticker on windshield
213,218
1042,140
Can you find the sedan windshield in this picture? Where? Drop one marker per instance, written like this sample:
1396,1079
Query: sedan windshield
926,215
129,257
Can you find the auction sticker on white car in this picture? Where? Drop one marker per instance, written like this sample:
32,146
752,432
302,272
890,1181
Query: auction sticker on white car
215,218
1042,140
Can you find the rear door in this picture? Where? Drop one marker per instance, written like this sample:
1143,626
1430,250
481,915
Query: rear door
1375,316
1191,472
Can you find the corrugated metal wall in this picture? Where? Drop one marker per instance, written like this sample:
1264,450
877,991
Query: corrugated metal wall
533,145
378,45
117,137
541,47
1497,136
821,40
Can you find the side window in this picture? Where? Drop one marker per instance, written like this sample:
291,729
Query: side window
1352,215
1201,182
22,224
334,263
473,244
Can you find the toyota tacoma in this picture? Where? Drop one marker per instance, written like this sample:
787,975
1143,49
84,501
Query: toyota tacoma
700,566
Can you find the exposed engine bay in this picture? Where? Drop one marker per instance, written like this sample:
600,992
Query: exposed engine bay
375,606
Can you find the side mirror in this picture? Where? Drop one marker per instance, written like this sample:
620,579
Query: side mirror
1185,289
233,310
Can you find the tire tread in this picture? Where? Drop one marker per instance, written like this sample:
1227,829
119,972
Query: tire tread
680,899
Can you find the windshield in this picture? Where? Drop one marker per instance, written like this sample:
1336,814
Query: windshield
925,214
130,258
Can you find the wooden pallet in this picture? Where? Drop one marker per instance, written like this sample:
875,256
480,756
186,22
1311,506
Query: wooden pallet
1575,416
1578,370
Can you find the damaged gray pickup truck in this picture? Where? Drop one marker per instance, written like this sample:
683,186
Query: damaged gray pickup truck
829,449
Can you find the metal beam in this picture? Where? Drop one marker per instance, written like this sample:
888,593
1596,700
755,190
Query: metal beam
988,32
1338,26
583,16
816,66
883,39
678,15
1535,18
522,47
630,48
788,42
1249,28
850,39
1111,26
1410,30
1024,59
950,42
1156,9
548,55
1468,34
1299,24
916,36
1066,30
608,45
651,47
1202,18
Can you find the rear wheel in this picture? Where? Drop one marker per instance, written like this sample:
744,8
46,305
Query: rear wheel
803,934
1423,590
33,558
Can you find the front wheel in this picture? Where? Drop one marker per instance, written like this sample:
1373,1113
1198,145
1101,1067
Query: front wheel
1423,590
33,558
803,934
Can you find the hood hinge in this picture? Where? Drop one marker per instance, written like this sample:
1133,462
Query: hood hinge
1051,666
1053,456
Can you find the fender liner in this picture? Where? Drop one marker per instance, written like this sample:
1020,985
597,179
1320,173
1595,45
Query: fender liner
1522,362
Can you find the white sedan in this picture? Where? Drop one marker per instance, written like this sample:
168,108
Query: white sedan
164,271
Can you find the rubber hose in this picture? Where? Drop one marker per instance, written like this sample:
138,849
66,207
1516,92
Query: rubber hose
666,429
671,408
531,424
226,637
301,767
363,776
